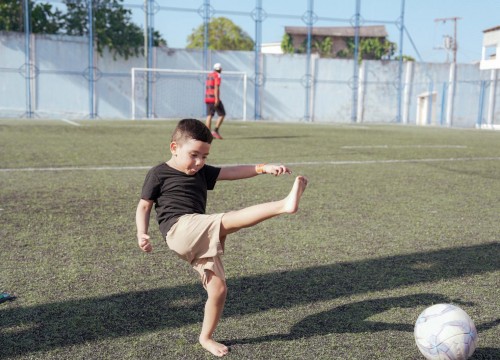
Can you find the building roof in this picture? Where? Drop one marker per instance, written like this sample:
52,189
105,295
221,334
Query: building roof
495,28
339,31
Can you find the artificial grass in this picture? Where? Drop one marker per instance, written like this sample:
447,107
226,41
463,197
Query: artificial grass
395,219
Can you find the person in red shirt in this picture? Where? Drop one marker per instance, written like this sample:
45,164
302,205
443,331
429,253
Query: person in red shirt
213,101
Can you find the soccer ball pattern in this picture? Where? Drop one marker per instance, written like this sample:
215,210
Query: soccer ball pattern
445,332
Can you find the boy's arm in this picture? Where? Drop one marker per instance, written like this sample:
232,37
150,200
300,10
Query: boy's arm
247,171
217,94
142,222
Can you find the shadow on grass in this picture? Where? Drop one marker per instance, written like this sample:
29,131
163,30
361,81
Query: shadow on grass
49,326
353,318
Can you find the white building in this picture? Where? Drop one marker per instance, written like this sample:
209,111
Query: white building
490,58
271,48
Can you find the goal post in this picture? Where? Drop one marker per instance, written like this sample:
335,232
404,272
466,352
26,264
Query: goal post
175,93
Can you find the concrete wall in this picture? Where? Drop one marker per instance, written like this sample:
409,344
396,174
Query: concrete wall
60,85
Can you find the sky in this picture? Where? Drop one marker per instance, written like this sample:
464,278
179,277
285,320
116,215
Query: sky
427,22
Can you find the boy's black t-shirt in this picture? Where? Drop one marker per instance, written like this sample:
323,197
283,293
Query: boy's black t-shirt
176,193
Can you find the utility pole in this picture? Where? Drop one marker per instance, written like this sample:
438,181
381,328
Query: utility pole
454,43
146,55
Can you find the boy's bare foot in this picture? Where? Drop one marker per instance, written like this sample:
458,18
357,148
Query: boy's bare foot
293,199
214,347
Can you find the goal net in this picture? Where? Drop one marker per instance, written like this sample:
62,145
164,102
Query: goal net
173,93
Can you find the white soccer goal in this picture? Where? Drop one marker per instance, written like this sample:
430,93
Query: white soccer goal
174,93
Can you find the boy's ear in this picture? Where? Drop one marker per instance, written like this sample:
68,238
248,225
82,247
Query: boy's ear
173,147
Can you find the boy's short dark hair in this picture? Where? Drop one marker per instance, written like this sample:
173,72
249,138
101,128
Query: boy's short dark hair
188,129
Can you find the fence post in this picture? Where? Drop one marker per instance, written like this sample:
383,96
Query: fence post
492,96
451,94
407,92
479,120
354,105
401,24
27,57
309,20
91,59
258,17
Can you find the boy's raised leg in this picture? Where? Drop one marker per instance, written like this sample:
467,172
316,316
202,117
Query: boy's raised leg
235,220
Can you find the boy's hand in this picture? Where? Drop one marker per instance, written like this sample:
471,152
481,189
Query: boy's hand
144,243
276,169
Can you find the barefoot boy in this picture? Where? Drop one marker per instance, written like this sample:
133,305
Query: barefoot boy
178,189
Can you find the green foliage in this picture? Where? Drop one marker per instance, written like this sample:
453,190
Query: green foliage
376,49
405,58
369,49
223,34
324,47
287,44
113,27
11,16
44,19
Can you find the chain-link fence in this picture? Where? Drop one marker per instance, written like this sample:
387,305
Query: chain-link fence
68,76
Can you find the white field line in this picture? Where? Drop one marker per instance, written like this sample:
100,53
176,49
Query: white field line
78,168
367,162
403,147
71,122
305,163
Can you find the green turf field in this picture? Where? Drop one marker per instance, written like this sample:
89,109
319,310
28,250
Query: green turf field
395,219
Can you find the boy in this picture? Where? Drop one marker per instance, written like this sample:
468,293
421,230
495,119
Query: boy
178,189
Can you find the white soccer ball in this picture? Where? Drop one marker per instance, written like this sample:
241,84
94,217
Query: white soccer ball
445,332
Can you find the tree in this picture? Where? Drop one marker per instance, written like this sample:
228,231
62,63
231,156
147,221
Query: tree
113,27
223,34
112,23
44,19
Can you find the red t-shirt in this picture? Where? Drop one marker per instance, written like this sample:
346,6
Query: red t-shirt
213,79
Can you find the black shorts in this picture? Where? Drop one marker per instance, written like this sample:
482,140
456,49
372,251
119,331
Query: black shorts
211,109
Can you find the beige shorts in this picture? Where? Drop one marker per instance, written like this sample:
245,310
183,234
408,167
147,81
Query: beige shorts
195,238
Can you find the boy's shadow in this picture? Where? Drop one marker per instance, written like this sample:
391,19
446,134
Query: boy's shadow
47,326
353,318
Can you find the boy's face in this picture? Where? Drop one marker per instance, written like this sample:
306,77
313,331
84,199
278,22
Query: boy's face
189,156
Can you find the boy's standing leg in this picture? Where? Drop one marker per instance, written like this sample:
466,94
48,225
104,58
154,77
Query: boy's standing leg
217,291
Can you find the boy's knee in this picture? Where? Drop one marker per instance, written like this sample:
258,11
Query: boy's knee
223,291
220,290
216,286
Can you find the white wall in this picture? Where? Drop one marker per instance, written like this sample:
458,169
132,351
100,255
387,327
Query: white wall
61,87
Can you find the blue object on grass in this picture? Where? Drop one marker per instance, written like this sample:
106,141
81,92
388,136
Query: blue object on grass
6,297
